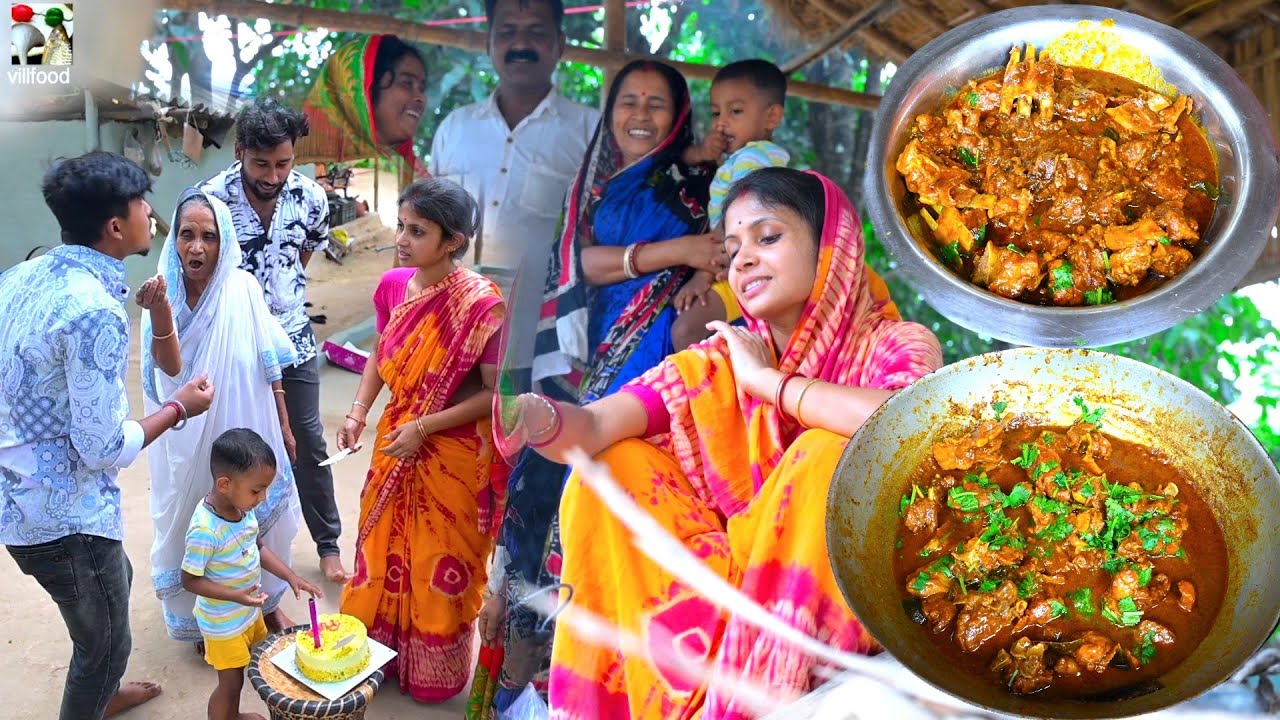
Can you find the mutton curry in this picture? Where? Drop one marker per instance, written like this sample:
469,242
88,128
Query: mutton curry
1056,185
1058,560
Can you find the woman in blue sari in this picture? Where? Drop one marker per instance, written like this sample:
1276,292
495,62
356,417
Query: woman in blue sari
633,232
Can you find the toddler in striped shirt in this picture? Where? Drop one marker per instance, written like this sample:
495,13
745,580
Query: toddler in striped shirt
224,561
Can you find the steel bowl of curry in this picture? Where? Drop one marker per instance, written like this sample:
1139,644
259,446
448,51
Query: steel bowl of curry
1059,533
1032,197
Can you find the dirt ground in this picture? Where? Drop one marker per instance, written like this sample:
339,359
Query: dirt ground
33,643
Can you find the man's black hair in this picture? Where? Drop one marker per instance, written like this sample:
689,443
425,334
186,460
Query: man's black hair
85,192
557,10
265,123
764,75
239,450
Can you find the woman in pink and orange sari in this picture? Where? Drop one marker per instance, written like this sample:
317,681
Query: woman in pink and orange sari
429,505
730,445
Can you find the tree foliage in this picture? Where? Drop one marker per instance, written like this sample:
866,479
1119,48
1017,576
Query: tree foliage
1223,349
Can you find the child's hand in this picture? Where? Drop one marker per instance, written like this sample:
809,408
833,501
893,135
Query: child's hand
251,596
708,151
695,290
299,585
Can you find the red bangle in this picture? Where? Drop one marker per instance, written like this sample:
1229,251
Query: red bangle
782,386
559,425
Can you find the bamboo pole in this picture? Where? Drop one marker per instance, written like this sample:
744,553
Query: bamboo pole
615,37
299,16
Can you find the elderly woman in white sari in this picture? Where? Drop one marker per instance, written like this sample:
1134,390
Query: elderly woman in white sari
206,315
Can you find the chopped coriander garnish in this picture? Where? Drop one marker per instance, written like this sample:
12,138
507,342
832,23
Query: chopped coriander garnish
971,98
1062,279
998,408
967,157
1060,530
1028,458
1113,565
1144,576
1146,650
1018,496
1129,613
1091,417
1048,437
921,582
1082,601
1015,249
988,584
1106,261
963,500
951,253
1163,239
1028,586
1049,505
980,235
1057,609
1098,296
1046,466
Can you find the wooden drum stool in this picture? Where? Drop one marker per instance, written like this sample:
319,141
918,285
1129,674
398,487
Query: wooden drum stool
288,699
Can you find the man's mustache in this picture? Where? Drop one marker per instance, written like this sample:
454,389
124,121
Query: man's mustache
519,55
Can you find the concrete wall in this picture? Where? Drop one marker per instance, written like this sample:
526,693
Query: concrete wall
28,147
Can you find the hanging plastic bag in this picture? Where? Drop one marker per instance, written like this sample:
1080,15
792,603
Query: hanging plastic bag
529,706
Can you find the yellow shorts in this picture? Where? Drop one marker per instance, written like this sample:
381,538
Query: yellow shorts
232,653
731,309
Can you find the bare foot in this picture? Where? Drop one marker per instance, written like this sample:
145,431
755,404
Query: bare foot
331,566
131,695
276,621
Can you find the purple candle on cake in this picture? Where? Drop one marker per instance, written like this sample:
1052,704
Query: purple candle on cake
315,622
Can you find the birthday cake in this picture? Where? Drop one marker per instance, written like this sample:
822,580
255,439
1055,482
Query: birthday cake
343,651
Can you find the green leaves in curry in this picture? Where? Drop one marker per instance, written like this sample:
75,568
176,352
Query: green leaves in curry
1025,526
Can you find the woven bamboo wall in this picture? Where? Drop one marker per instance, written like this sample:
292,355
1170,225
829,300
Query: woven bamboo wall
1246,33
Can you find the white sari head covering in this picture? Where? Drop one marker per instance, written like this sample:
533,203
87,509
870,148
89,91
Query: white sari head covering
170,266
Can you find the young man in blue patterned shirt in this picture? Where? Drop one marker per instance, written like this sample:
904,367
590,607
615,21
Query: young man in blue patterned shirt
64,427
281,219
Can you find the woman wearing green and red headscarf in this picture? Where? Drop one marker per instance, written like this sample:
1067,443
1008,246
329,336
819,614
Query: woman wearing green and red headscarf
368,102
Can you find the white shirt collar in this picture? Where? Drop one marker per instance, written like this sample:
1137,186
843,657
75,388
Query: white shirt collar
547,105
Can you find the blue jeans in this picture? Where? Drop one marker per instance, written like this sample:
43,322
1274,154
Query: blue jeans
89,578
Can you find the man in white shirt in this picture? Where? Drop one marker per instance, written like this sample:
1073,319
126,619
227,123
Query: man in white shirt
518,150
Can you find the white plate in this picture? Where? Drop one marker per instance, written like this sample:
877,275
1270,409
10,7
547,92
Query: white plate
287,660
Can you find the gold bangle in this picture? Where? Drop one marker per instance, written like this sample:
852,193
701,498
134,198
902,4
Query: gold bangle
417,422
800,401
164,337
277,391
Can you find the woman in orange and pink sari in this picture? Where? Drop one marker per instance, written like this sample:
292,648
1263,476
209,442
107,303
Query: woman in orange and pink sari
429,503
730,445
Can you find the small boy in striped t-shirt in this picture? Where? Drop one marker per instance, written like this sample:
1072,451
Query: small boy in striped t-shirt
224,560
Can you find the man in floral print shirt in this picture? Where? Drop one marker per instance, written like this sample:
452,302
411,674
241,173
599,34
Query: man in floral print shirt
281,219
